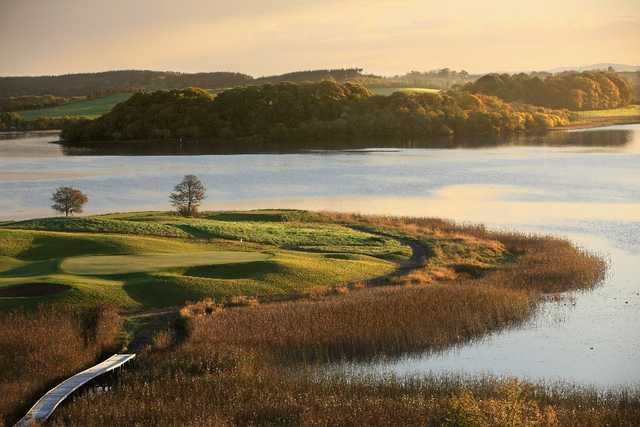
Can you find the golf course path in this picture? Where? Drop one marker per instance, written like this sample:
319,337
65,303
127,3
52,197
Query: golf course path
50,401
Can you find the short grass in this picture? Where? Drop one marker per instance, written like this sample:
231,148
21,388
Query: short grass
91,108
156,259
630,111
98,265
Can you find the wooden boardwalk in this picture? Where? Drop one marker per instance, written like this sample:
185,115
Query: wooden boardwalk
50,401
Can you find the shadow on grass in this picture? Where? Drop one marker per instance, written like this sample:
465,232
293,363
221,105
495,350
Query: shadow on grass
38,268
266,215
248,270
195,232
196,283
44,247
153,291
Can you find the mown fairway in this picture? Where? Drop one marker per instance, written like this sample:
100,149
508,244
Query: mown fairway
91,108
155,259
121,264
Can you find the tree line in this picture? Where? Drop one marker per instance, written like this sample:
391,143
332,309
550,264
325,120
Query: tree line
110,82
15,122
309,111
33,102
443,78
589,90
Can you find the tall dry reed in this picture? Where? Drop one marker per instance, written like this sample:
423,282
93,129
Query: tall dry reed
40,348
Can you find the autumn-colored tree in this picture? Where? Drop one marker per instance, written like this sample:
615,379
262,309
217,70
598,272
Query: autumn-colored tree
187,196
68,200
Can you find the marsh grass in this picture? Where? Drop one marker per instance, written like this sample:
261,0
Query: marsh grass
220,385
43,347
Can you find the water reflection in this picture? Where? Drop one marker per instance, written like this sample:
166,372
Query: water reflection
610,138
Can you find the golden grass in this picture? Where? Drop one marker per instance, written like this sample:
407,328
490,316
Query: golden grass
203,384
44,347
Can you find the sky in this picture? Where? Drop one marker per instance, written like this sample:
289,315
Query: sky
264,37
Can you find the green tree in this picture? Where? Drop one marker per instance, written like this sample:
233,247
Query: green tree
68,200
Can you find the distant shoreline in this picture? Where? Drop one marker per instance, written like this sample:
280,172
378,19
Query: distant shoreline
599,122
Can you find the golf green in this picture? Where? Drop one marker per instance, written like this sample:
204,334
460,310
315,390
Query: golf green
121,264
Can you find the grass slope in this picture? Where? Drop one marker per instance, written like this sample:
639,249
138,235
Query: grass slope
91,108
630,111
98,265
155,259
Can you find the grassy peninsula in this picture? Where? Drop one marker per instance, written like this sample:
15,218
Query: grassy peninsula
277,289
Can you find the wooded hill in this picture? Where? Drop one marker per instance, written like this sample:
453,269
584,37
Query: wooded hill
95,84
308,111
589,90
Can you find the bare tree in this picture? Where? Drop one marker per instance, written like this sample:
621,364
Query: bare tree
68,200
188,195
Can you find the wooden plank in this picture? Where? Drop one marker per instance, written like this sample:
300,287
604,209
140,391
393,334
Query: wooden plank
50,401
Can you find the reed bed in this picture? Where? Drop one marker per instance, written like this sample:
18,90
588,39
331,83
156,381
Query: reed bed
42,347
220,385
369,323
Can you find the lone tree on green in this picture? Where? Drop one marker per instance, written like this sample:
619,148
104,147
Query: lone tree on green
68,200
188,195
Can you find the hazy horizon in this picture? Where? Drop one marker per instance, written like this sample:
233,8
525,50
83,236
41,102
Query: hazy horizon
272,36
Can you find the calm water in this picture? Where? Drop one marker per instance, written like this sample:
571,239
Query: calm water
584,185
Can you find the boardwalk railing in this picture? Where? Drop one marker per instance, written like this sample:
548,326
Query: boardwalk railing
50,401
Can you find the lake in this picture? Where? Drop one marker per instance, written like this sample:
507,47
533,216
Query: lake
583,185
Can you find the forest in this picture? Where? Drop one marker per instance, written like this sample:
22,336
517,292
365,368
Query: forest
97,84
443,78
32,102
589,90
109,82
15,122
309,111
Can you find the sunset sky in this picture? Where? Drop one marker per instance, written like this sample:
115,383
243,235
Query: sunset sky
275,36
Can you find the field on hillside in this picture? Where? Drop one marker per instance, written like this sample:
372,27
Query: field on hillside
631,110
155,259
389,90
91,108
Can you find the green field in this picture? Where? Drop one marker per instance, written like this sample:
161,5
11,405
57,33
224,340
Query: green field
91,108
630,111
97,265
156,259
389,90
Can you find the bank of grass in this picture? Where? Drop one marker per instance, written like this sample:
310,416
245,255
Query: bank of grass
90,108
263,254
629,111
40,348
234,366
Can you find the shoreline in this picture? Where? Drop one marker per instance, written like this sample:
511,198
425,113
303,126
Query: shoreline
599,122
